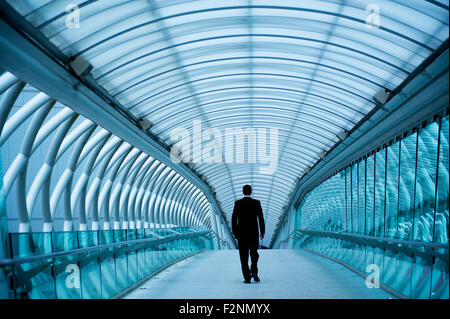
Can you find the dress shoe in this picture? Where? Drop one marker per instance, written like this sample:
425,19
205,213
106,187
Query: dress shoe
247,281
255,277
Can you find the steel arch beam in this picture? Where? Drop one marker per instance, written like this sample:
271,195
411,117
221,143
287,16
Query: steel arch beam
160,193
8,99
64,184
171,191
154,174
126,187
146,193
156,193
167,189
180,196
25,152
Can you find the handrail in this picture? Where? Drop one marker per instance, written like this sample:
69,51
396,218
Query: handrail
408,247
383,239
152,241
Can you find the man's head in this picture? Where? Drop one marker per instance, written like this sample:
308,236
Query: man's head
247,190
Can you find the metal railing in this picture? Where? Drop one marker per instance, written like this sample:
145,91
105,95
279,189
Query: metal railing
99,271
405,269
425,250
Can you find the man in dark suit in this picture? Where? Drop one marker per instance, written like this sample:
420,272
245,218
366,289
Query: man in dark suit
246,213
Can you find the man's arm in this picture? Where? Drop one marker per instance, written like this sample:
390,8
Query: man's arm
234,220
262,227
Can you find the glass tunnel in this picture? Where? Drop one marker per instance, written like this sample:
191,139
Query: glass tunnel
128,129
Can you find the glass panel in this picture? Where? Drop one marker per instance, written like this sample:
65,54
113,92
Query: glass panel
380,188
424,213
131,234
370,258
298,218
361,197
88,238
406,187
378,261
339,190
402,281
120,235
67,268
389,268
4,239
98,273
440,278
108,277
151,259
132,267
107,265
105,237
91,287
63,241
367,184
26,244
392,189
324,207
121,272
370,194
139,233
166,43
68,280
421,278
142,271
40,286
442,200
348,200
355,197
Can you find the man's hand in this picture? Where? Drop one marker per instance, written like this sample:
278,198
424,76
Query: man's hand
262,236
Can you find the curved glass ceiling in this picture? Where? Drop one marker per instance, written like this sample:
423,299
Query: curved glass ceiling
307,68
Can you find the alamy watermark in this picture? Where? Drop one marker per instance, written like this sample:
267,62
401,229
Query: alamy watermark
373,277
373,16
232,145
73,277
73,16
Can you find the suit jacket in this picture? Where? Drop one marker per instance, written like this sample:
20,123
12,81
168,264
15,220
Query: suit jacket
245,217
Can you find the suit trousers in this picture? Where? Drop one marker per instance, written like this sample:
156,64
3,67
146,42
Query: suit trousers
246,246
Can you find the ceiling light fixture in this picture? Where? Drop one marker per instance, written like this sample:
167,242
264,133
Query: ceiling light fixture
342,135
145,124
80,66
381,97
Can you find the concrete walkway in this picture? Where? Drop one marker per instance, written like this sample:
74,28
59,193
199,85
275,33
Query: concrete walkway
285,274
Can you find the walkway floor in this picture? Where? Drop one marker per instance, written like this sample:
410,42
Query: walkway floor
285,274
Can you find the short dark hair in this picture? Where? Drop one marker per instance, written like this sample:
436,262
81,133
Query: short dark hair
247,190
